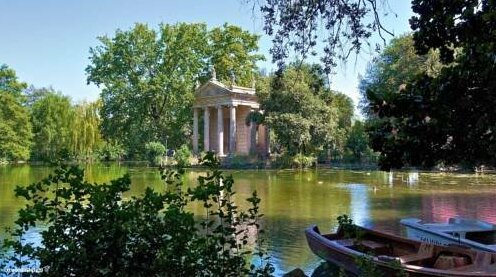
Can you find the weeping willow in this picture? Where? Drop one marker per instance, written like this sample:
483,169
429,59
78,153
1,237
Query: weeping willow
85,130
63,130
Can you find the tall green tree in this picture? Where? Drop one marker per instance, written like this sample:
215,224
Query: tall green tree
52,118
233,52
462,96
447,118
85,130
296,113
397,64
15,128
357,140
343,105
386,104
305,115
148,77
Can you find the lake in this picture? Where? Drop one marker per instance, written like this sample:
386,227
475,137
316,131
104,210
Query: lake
293,200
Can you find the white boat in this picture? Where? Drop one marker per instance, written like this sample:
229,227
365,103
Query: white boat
476,234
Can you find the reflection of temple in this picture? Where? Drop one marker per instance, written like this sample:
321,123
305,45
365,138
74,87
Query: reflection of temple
225,129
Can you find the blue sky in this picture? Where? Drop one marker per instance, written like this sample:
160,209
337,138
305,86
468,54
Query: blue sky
47,42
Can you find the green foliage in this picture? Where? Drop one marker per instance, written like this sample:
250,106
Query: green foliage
85,131
300,119
148,78
15,128
392,70
448,117
305,116
294,161
347,226
183,156
154,152
93,231
243,161
398,266
367,266
387,102
51,117
233,52
302,161
345,110
111,151
357,141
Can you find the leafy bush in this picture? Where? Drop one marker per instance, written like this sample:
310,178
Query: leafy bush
296,161
111,151
93,231
3,160
183,156
154,152
240,161
302,161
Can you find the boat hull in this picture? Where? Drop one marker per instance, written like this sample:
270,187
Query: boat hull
346,258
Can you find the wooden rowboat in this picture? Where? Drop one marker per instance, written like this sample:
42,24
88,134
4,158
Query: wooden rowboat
391,254
477,234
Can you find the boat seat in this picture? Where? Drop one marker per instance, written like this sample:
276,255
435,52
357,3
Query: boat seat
482,260
346,242
372,244
425,251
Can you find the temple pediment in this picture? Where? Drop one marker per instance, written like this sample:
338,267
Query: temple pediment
212,88
214,93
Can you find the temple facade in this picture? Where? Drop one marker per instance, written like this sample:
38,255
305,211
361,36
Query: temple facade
224,110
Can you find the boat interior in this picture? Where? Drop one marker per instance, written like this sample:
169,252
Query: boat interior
482,237
409,252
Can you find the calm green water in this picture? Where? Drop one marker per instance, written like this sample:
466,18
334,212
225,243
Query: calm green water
293,200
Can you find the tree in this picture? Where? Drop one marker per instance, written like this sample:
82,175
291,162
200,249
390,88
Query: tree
463,94
393,69
52,118
338,27
390,108
15,128
357,141
155,152
85,134
448,118
148,77
299,117
233,53
33,94
343,105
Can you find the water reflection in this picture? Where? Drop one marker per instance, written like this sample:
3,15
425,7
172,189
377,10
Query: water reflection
294,200
359,204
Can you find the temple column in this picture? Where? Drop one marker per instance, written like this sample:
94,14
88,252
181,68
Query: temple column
195,130
267,140
232,129
220,130
253,137
206,129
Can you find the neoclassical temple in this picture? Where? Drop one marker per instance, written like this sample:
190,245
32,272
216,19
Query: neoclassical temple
225,129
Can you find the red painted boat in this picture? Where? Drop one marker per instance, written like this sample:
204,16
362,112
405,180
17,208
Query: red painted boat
391,254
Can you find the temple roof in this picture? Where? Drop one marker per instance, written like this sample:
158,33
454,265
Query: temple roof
214,92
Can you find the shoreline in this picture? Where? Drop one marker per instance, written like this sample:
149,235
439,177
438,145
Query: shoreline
258,166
